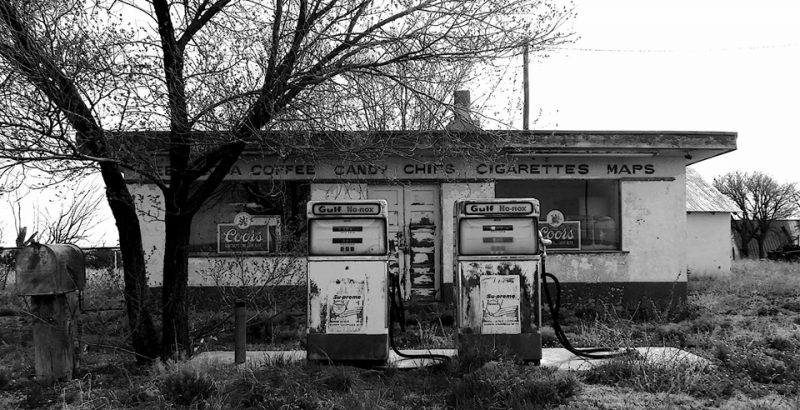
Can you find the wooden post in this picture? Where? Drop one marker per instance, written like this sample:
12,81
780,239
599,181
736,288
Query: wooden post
54,331
240,332
526,109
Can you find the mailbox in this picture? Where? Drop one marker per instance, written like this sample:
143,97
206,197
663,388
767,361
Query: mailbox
498,265
50,270
348,281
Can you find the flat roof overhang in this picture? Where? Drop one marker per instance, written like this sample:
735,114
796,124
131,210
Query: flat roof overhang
693,146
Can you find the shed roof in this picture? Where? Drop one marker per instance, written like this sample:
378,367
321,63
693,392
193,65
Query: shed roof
703,197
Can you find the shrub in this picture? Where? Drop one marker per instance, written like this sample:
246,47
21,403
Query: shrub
670,376
246,391
339,380
509,385
5,377
186,386
470,358
765,369
780,343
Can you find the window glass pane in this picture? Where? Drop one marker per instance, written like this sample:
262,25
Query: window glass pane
276,213
590,208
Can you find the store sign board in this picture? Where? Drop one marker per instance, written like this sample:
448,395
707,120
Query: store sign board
248,234
564,235
339,208
270,168
496,208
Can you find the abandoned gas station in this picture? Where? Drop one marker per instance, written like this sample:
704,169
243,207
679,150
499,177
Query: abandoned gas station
612,203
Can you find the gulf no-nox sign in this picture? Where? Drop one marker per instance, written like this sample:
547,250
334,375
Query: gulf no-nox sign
507,208
346,209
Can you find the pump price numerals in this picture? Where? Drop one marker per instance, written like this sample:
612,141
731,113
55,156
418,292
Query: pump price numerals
498,249
347,244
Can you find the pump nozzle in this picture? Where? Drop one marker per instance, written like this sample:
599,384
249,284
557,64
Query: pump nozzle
544,243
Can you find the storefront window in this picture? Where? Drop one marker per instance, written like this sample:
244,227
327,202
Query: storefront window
251,217
583,215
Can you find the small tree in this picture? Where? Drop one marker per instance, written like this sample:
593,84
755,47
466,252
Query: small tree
762,200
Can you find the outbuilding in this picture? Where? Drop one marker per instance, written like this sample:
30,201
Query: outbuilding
614,203
709,239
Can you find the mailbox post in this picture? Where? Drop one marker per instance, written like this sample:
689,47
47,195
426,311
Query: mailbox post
50,274
498,265
348,254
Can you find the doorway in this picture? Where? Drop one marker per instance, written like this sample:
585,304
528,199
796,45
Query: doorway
414,236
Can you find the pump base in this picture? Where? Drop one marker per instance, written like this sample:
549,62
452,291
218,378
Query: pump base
340,348
526,347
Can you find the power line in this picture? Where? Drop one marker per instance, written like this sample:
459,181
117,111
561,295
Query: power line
672,50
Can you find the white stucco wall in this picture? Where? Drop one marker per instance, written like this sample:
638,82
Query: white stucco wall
708,242
653,232
322,192
450,193
654,228
150,207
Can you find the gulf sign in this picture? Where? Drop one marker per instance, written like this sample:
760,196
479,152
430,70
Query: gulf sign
345,208
528,207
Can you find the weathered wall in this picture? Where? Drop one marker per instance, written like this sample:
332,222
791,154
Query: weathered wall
450,193
653,227
653,231
207,270
708,242
344,191
150,207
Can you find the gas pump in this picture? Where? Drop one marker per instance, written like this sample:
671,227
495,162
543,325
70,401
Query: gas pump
497,282
348,281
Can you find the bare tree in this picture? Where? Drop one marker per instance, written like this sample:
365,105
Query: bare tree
71,215
239,68
762,200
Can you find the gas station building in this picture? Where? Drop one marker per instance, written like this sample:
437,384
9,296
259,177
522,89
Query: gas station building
613,203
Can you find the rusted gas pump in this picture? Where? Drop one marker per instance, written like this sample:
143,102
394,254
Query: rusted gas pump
498,271
348,281
50,275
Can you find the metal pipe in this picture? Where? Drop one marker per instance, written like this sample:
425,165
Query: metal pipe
240,331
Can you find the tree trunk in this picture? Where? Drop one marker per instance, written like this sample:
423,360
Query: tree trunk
762,252
175,312
744,250
137,294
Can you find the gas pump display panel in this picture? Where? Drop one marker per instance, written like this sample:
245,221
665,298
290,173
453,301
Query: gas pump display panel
345,237
498,236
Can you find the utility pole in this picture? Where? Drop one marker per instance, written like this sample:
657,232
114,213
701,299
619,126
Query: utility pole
525,97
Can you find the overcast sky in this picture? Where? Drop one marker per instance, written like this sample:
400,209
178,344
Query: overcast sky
729,65
721,65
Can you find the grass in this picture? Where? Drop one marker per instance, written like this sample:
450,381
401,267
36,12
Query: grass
746,324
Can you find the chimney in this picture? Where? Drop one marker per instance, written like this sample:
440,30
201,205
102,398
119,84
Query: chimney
462,120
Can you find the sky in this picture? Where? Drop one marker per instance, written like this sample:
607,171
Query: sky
677,65
682,65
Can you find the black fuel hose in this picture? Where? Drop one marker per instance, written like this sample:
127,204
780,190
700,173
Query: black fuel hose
589,353
397,314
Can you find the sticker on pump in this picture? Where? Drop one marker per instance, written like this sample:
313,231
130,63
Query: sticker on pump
497,236
338,237
346,306
500,304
